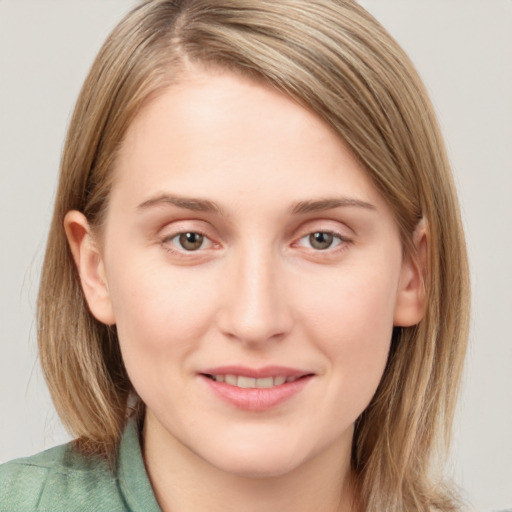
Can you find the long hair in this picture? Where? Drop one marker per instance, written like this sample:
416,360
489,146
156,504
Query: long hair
334,58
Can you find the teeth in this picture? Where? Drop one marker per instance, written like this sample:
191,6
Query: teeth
231,379
267,382
241,381
246,382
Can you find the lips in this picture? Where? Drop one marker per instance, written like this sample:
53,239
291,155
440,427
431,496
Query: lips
255,389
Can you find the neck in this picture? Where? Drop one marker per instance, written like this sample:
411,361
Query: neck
184,482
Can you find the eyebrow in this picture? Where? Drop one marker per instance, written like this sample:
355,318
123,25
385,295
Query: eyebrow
188,203
303,207
205,205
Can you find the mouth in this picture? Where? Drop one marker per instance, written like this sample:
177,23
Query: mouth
241,381
256,390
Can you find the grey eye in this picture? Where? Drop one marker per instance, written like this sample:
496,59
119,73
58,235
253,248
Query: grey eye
190,241
321,240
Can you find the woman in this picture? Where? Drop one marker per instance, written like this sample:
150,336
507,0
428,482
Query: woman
255,291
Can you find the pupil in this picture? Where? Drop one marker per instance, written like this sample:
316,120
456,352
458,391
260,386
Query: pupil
191,241
321,240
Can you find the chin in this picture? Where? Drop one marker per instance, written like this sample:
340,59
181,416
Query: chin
257,458
260,465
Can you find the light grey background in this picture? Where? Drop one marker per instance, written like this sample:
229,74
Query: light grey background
463,50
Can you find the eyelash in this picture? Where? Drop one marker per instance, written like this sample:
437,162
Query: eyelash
166,242
342,244
342,240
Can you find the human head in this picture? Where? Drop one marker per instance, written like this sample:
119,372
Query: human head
335,59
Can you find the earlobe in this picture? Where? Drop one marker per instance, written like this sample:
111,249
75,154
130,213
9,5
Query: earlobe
90,266
410,303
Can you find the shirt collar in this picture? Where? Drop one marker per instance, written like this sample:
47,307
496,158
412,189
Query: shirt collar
133,478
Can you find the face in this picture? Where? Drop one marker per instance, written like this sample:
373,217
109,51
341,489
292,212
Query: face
253,272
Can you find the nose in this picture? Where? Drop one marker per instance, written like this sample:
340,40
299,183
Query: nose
254,309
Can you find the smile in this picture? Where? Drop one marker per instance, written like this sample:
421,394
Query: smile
255,390
241,381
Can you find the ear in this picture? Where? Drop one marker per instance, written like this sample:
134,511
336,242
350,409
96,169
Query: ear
410,303
90,265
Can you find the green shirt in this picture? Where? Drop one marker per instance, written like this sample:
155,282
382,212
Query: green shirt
61,480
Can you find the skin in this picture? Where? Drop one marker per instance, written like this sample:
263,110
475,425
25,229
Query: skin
255,293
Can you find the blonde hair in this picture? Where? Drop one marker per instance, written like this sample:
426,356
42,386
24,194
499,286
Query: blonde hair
336,59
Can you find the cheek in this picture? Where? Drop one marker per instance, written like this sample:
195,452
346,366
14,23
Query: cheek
161,316
161,319
351,322
357,304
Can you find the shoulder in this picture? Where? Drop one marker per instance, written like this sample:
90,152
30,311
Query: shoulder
57,480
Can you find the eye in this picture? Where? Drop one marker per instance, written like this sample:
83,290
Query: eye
189,241
321,240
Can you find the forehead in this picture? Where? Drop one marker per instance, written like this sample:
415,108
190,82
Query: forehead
216,133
